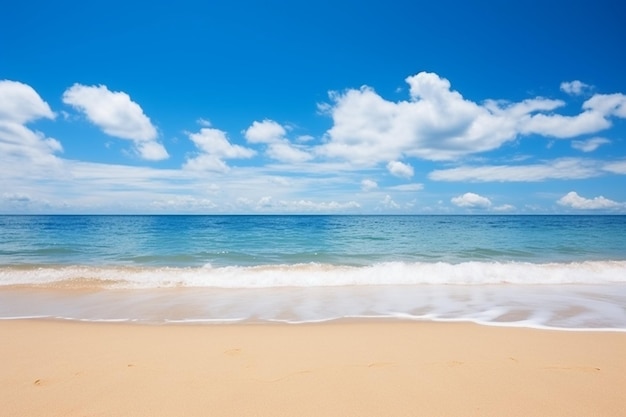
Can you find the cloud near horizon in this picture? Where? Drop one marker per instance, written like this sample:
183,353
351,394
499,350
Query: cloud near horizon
365,161
575,201
471,200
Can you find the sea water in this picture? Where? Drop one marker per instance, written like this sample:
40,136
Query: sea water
565,272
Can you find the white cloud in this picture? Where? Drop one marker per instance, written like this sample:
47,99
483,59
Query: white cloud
267,204
151,151
408,187
596,116
273,135
264,202
368,185
21,104
206,162
112,111
389,203
214,148
214,141
574,87
607,104
589,145
267,131
400,169
183,203
306,205
573,200
285,152
117,115
504,208
304,138
471,200
615,167
561,169
19,145
437,123
562,127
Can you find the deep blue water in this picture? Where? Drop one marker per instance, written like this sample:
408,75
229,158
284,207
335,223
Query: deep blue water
339,240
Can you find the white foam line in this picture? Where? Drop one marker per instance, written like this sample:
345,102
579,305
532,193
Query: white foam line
399,317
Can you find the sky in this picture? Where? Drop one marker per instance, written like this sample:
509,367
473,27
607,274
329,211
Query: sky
325,107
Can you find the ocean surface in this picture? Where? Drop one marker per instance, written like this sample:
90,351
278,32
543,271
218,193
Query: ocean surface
561,272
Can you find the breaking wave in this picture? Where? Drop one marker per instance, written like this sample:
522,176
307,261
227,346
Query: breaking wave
317,275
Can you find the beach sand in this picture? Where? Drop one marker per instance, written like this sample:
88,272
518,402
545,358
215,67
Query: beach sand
363,368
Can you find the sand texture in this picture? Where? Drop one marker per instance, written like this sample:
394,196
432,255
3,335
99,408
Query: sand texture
52,368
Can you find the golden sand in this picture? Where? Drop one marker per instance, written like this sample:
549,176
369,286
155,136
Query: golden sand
365,368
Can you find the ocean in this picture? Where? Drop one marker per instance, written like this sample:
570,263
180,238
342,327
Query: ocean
557,272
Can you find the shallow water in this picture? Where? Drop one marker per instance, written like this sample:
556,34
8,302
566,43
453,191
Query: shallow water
564,272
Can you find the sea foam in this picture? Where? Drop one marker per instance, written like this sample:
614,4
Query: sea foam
318,275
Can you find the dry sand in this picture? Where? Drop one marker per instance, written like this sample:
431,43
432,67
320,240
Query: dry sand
52,368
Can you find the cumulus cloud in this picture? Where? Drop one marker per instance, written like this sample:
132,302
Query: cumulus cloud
368,185
19,105
561,169
273,135
112,111
607,104
574,88
471,200
267,131
596,116
589,145
438,123
214,147
573,200
388,203
117,115
151,151
563,127
400,169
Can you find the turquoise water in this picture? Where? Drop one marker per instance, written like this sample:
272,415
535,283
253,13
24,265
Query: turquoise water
180,241
541,271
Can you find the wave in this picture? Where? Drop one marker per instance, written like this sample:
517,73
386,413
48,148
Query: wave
317,275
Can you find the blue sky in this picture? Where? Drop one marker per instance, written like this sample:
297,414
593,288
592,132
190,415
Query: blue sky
313,107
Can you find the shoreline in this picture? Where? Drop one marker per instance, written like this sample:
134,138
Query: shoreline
335,321
366,367
559,307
